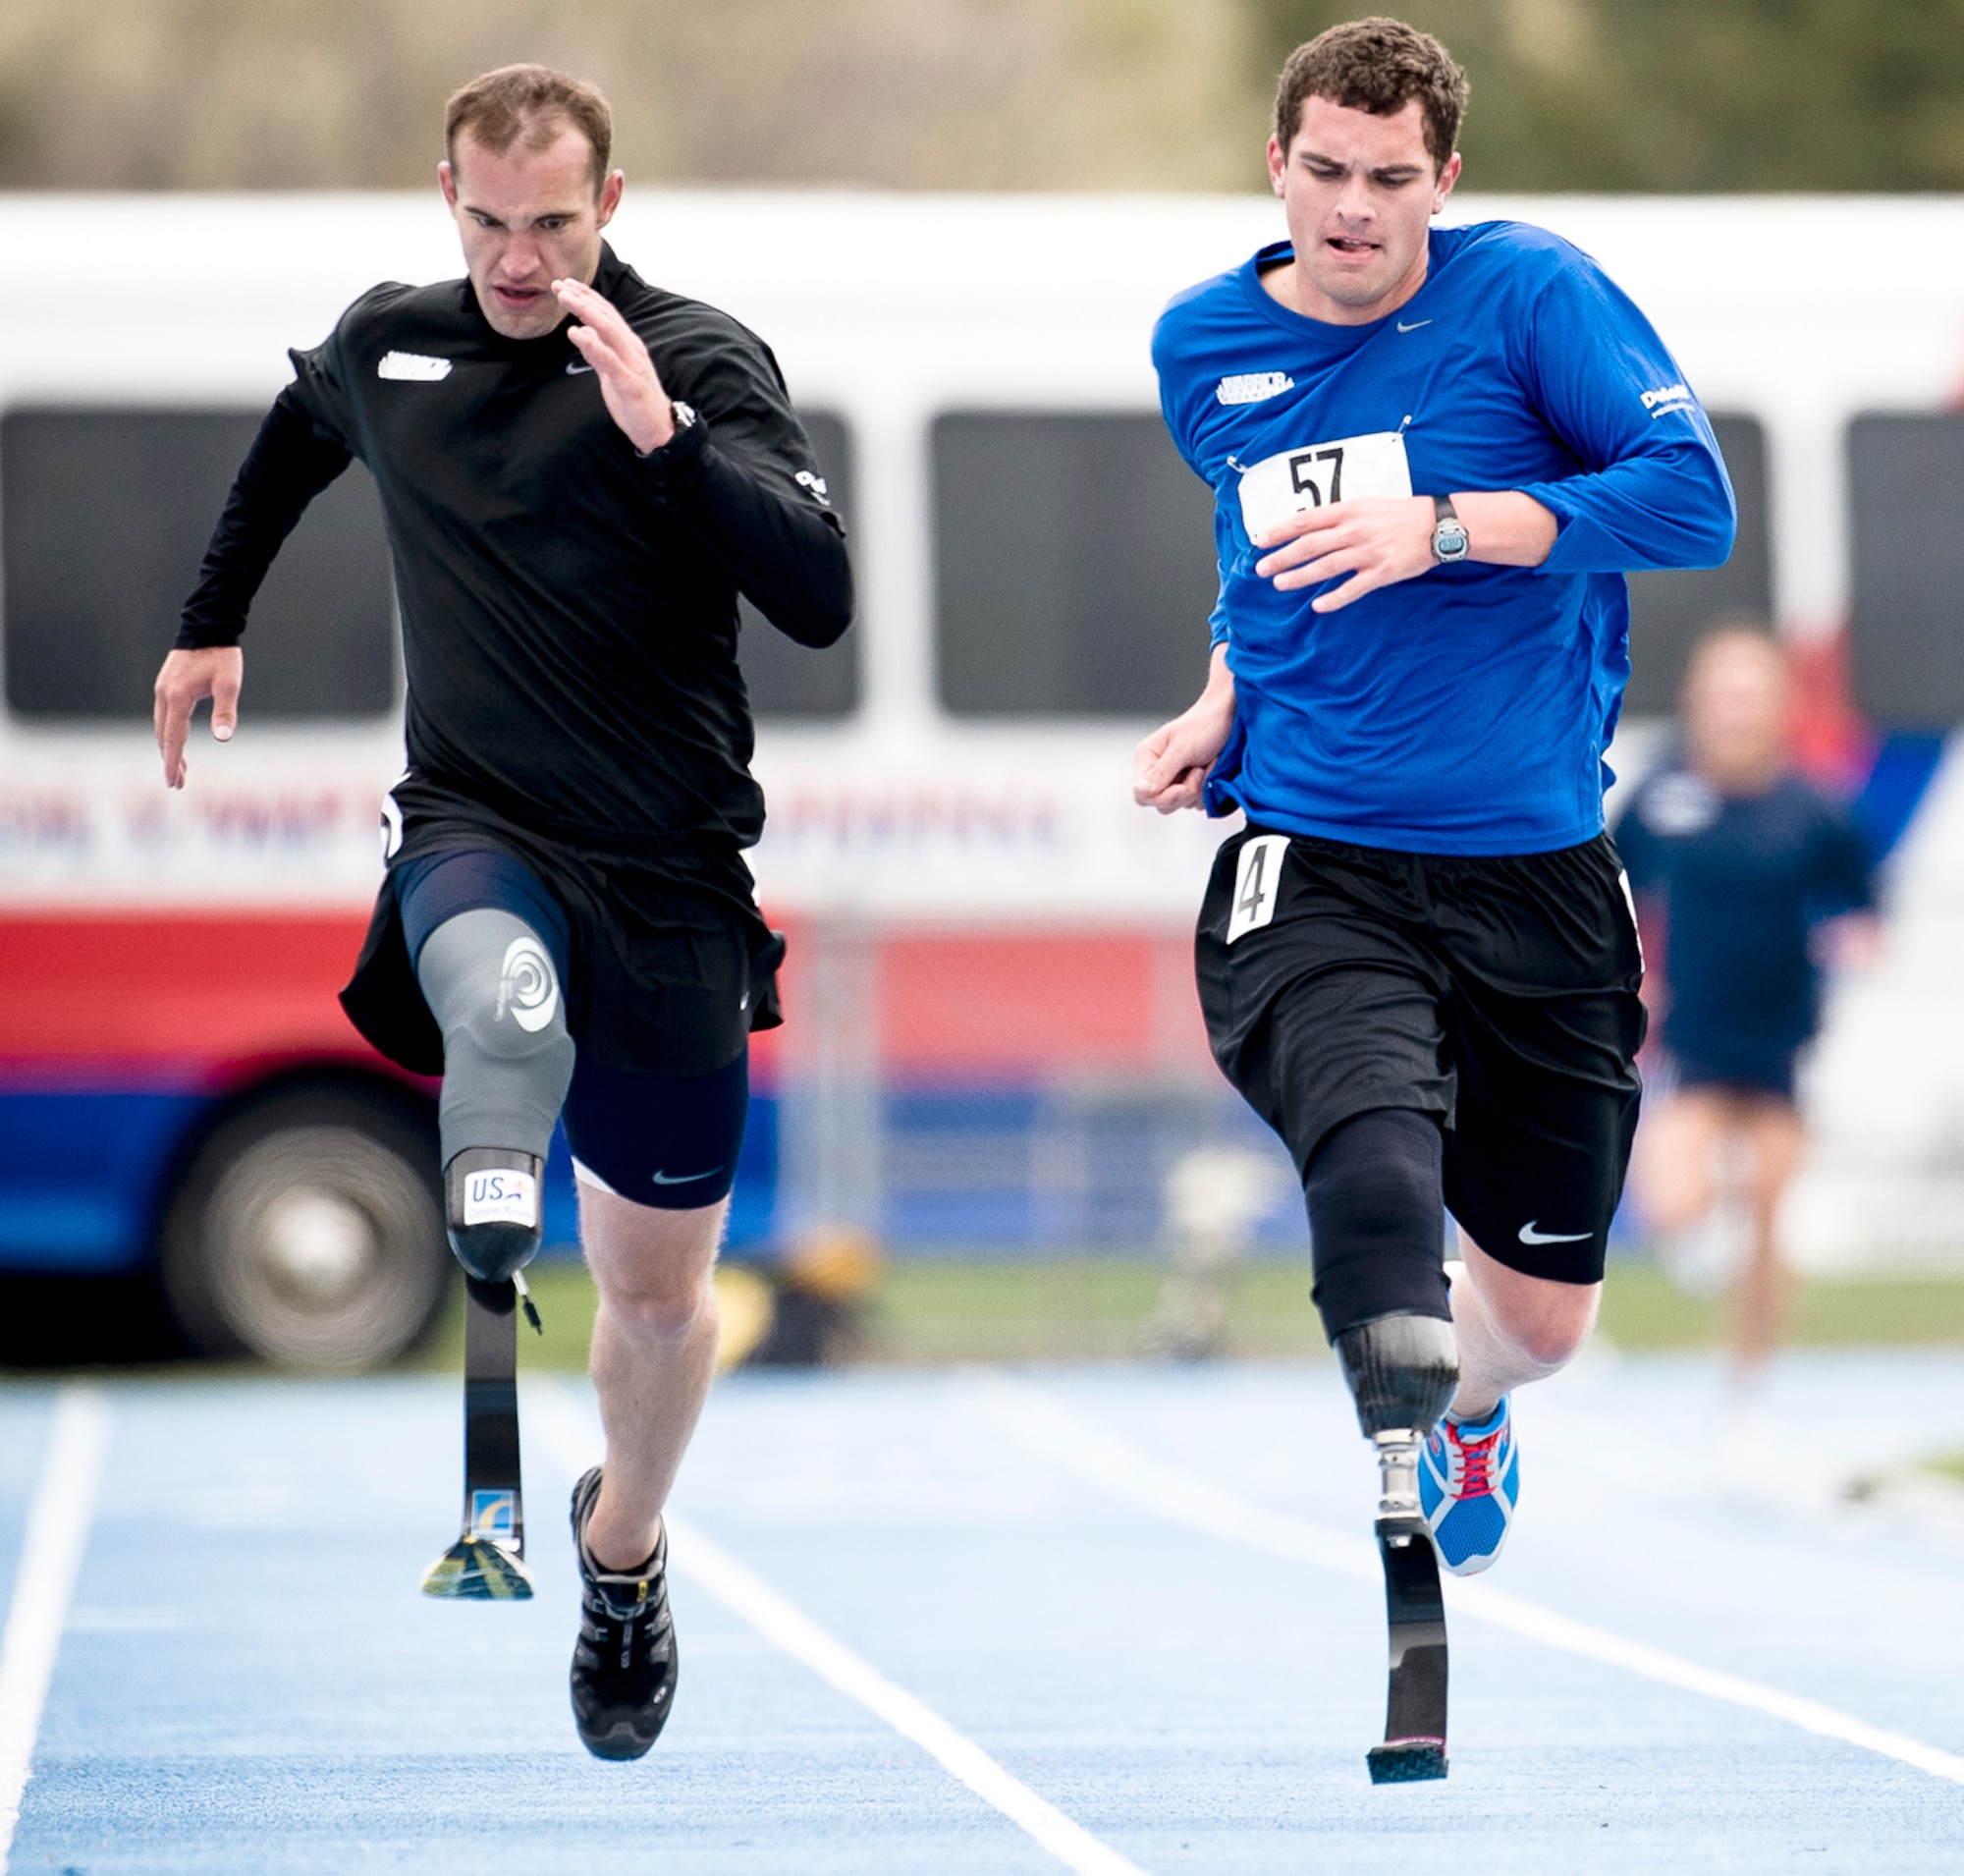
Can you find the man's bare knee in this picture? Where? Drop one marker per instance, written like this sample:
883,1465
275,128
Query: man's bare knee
1549,1335
658,1309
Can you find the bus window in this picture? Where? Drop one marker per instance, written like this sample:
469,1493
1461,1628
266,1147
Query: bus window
1906,492
785,678
1073,566
104,516
1669,610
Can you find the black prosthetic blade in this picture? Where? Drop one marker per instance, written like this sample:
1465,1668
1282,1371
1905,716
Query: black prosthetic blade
486,1564
1415,1744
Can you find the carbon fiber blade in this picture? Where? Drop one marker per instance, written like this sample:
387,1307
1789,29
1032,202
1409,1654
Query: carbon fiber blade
1415,1744
487,1561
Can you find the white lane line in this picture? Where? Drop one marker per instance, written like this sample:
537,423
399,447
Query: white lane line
1051,1429
58,1521
742,1591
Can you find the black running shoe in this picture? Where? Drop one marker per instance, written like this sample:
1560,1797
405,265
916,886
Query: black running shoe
623,1665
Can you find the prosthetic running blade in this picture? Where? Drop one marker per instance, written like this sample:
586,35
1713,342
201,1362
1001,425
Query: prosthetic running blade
487,1563
1415,1744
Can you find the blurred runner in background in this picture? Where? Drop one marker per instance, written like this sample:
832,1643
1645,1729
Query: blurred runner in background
1747,880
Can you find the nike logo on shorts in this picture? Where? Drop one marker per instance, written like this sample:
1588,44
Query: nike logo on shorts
1529,1236
681,1179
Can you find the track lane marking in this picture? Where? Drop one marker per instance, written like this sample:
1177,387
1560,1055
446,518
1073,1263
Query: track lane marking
58,1521
1046,1427
744,1593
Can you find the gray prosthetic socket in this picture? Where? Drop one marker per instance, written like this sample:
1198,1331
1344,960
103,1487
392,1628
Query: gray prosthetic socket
1402,1371
507,1059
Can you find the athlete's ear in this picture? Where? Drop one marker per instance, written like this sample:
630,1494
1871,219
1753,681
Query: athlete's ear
1278,165
445,180
610,197
1448,175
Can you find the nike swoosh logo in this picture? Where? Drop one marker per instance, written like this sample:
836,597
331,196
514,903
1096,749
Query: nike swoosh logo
1413,327
1529,1236
574,370
689,1179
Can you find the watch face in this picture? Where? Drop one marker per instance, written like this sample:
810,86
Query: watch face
1450,540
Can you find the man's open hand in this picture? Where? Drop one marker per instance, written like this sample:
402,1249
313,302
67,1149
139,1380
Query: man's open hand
628,377
1378,539
187,679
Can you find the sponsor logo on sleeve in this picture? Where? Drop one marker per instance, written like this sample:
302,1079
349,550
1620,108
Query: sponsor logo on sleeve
1253,387
413,367
804,478
527,989
1668,397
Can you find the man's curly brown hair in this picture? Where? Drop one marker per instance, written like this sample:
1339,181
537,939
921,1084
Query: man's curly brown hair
1376,65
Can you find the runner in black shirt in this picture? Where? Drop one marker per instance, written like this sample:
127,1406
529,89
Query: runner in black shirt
579,473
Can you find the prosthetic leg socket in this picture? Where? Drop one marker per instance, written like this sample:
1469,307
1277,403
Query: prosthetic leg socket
494,1212
1402,1371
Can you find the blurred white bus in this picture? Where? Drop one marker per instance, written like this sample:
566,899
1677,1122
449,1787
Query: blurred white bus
993,1042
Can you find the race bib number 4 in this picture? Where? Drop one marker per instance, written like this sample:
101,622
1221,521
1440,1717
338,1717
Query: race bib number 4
1320,473
1258,877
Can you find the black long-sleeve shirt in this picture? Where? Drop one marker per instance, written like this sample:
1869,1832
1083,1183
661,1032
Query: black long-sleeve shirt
569,606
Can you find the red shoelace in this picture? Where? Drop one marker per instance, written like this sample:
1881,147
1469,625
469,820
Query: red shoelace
1476,1457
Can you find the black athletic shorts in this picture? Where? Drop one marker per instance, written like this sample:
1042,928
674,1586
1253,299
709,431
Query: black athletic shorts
671,964
1499,994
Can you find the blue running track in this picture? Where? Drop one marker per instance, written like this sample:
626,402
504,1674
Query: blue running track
1113,1620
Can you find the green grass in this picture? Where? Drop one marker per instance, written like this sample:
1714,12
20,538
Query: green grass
1643,1309
1093,1308
564,1293
1949,1465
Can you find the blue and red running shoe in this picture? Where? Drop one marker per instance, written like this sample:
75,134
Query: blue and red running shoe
1468,1484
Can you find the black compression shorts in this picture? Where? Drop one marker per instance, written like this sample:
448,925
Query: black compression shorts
1497,994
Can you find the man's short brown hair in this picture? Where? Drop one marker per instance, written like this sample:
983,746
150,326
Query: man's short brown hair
1380,66
531,102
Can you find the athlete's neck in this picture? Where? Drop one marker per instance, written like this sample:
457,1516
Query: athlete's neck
1288,283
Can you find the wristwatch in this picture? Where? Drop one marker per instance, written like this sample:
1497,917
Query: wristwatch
1451,542
684,419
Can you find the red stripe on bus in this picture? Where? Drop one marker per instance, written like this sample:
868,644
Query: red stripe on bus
198,986
193,994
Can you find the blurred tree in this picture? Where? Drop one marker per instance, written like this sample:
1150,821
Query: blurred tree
1689,94
912,93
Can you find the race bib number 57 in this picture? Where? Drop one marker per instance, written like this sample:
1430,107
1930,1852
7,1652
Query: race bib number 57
1322,473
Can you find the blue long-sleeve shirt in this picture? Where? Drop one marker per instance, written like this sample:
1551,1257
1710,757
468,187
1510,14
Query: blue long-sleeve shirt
1465,711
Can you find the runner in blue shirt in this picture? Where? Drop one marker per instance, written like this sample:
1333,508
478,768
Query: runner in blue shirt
1435,453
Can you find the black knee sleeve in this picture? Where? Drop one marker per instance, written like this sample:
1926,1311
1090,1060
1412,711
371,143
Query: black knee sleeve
507,1059
1376,1221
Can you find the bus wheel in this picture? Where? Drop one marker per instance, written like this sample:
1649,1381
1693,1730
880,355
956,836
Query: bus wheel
309,1231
